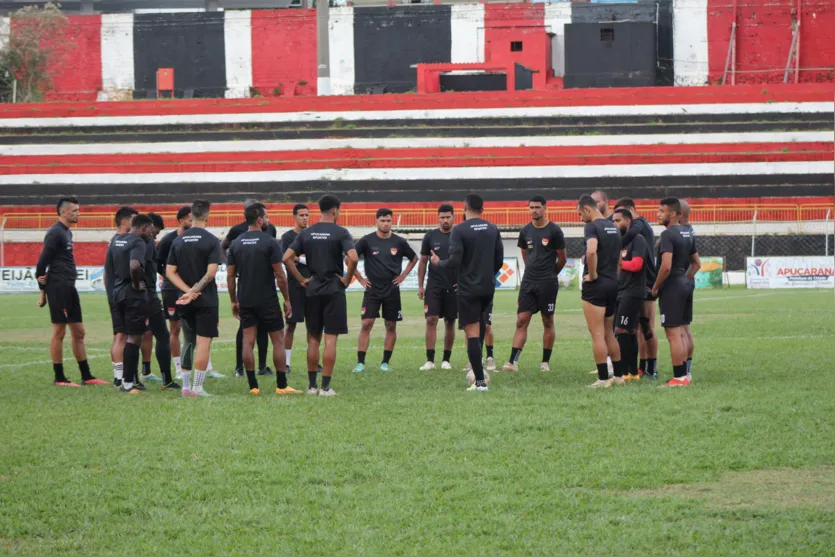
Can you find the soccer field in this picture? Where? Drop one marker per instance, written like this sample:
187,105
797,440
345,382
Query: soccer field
408,463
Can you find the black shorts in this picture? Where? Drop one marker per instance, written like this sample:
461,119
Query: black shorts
154,304
328,313
392,310
132,316
629,310
440,302
650,297
297,303
475,309
64,305
672,302
688,304
169,303
267,316
202,320
603,292
538,296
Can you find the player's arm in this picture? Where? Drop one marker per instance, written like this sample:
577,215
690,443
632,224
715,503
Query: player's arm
559,238
174,278
227,241
232,284
50,251
695,265
663,272
632,265
400,278
162,256
591,258
281,280
289,260
108,272
456,252
498,253
137,257
352,258
561,259
424,261
194,291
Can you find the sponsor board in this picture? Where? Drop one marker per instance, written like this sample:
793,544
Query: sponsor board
790,272
91,279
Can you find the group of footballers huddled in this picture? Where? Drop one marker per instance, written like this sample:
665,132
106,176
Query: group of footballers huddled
624,272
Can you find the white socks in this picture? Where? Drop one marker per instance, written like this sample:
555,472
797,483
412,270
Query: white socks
177,367
118,370
287,355
199,376
187,380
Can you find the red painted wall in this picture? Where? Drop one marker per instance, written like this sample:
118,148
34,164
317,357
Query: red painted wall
26,253
506,23
77,76
764,36
284,52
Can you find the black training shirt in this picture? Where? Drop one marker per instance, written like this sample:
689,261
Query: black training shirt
253,255
57,257
634,283
163,249
384,260
437,242
109,278
541,245
239,229
678,240
124,249
608,247
150,266
286,241
192,253
476,250
324,245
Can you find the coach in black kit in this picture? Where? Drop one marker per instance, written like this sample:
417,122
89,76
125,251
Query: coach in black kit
253,269
632,290
475,249
600,289
56,274
191,267
679,255
127,255
324,245
233,233
383,253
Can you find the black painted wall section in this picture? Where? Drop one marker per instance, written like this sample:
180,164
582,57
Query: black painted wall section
609,55
388,41
474,82
660,12
524,78
191,43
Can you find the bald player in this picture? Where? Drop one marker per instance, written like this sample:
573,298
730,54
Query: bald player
602,201
687,334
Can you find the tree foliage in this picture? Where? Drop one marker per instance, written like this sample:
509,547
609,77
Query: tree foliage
34,49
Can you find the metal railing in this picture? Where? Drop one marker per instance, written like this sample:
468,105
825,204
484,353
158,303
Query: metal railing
507,217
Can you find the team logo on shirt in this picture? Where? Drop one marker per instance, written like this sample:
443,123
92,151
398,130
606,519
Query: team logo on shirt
425,309
623,253
546,241
375,252
394,251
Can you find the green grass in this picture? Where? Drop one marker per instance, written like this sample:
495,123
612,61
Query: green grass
409,464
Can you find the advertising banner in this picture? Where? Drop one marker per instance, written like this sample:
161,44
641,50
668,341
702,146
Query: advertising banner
710,273
91,279
790,272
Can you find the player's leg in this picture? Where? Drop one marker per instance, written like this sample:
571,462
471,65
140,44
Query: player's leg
131,358
56,351
596,322
487,337
626,320
672,303
449,342
289,335
520,337
335,323
263,339
363,341
678,351
431,337
314,341
471,316
117,349
189,327
392,313
549,336
159,331
169,300
239,345
79,349
328,363
618,365
146,349
201,363
248,351
687,338
647,322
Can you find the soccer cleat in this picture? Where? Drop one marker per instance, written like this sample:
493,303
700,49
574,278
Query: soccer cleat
312,391
477,388
287,391
202,393
152,378
188,393
255,392
629,378
618,381
329,392
510,366
601,384
139,385
239,372
117,383
215,375
386,367
359,368
490,365
132,391
66,383
172,386
428,366
265,371
544,366
446,365
94,381
677,382
471,377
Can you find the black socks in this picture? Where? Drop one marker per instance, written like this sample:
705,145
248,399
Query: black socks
311,378
447,355
84,367
253,381
360,357
387,356
430,355
546,354
474,354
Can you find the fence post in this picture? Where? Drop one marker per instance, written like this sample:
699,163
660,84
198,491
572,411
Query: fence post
754,233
